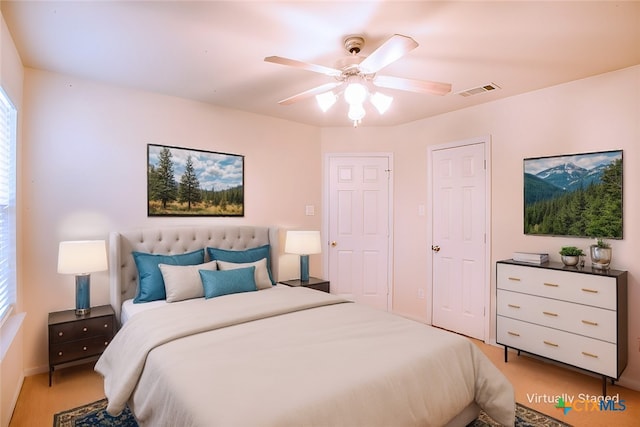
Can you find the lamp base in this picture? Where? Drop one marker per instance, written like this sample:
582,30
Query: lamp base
304,268
83,297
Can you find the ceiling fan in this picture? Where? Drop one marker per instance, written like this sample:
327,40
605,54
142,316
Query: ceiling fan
358,76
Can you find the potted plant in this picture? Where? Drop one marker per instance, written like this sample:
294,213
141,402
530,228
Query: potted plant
600,254
570,255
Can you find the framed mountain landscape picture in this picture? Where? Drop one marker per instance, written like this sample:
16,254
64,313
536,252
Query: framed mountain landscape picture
578,195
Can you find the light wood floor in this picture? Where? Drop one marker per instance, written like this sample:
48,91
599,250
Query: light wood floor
78,385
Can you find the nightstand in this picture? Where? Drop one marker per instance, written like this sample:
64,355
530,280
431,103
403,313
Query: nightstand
76,338
313,283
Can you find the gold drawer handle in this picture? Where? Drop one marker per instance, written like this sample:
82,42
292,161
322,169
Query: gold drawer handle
548,313
513,306
595,356
84,348
553,285
106,343
593,291
84,329
515,334
106,325
59,353
515,279
588,322
550,343
60,334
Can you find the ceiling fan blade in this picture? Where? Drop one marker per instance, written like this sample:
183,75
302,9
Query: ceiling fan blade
396,47
309,93
420,86
304,65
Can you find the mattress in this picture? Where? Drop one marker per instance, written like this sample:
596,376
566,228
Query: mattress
291,357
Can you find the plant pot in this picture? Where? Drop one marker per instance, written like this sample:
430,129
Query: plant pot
570,260
600,257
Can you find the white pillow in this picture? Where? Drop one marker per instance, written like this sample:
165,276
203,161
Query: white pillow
183,281
261,275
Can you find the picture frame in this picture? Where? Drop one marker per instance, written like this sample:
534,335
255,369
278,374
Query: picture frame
576,195
192,182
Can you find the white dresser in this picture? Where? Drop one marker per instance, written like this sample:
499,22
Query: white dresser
568,314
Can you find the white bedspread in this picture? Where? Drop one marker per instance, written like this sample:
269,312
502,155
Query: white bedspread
311,360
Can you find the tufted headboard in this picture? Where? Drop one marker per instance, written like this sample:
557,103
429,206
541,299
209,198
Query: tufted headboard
177,240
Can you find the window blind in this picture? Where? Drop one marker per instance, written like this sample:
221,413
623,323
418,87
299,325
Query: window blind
8,125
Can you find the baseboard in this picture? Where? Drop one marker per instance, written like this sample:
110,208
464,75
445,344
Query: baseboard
35,371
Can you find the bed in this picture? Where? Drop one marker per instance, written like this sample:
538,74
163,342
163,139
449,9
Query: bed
275,355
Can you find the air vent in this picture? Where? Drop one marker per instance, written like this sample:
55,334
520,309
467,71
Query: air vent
480,89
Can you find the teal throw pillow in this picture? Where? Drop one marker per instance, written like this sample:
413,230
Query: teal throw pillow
248,255
224,282
150,282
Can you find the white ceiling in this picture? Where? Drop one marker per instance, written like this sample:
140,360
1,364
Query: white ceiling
213,51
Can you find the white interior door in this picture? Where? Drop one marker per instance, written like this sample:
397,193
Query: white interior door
358,228
458,244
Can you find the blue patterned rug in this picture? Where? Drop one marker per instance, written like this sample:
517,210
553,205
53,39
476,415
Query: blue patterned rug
94,415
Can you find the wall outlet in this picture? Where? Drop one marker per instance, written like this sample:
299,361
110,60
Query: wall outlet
420,293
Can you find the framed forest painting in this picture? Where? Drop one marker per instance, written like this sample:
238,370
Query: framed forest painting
188,182
578,195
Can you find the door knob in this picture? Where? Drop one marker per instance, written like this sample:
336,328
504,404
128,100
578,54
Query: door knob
334,244
435,248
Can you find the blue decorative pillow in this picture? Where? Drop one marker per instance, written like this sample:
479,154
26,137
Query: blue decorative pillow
249,255
151,283
223,282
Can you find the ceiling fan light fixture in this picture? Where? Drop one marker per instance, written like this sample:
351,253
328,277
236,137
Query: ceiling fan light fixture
356,113
326,100
355,93
381,101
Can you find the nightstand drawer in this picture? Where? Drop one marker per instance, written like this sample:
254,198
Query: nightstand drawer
75,350
64,332
73,338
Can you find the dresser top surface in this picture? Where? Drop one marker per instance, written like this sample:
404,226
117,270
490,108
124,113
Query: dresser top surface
561,267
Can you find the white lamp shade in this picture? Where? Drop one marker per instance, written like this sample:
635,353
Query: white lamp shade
82,257
355,93
303,242
381,102
326,100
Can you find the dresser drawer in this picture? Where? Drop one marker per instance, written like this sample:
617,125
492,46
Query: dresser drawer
580,319
70,331
75,350
593,290
582,352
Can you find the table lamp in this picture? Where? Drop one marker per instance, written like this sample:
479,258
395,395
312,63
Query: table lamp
303,243
82,258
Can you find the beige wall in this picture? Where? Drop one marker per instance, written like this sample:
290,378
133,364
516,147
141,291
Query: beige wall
594,114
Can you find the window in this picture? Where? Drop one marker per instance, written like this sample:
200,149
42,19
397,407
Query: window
7,206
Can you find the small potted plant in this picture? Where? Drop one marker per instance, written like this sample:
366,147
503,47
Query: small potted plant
570,255
600,254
